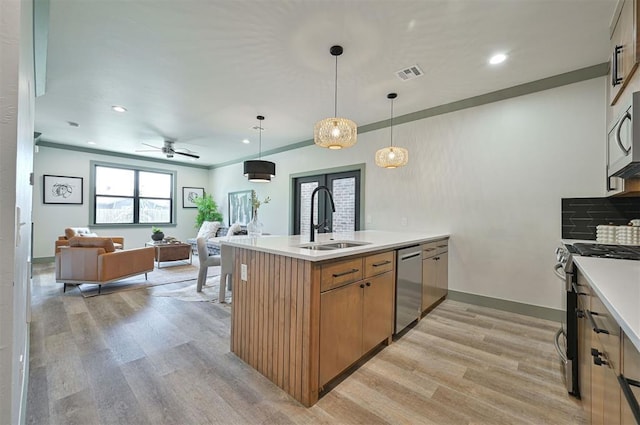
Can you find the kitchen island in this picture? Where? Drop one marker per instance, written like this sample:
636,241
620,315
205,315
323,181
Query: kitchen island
303,313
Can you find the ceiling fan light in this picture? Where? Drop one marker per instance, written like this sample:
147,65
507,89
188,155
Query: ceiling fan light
335,133
392,157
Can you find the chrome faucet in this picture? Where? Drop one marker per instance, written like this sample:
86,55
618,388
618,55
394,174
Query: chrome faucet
312,236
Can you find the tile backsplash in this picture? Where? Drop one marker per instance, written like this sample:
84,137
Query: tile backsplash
580,216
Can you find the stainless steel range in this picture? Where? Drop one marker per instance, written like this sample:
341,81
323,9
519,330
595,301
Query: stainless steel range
566,339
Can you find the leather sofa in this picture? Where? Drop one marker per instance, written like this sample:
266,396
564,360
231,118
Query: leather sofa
70,232
95,260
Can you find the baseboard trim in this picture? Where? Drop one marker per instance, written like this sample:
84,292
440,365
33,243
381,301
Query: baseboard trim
42,260
506,305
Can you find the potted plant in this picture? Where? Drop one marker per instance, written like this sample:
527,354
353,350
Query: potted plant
207,210
157,234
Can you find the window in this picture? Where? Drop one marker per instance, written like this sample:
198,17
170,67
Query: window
125,195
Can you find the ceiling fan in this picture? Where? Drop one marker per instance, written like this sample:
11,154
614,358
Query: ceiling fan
169,150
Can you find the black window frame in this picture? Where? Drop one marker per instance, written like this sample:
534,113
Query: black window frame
136,197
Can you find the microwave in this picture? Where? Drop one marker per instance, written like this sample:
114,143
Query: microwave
623,142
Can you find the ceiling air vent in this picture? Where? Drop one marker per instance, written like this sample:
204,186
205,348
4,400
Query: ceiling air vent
410,73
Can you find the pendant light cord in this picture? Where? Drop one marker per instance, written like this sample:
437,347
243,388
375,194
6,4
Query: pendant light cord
259,140
391,122
335,95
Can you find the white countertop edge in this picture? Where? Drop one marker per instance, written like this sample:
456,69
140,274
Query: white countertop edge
287,245
606,291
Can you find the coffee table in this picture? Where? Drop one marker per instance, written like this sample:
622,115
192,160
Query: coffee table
166,251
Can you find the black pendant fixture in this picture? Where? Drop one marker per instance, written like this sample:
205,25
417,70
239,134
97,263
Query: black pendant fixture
257,170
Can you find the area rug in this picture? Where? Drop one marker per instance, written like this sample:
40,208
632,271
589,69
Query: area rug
210,291
163,276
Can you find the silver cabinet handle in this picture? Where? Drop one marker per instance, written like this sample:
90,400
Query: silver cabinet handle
626,116
406,257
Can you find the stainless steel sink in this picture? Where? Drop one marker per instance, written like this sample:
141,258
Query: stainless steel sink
331,245
318,247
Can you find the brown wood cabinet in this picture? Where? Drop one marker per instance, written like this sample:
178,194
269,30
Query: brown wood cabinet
600,359
624,49
302,323
435,273
630,370
356,317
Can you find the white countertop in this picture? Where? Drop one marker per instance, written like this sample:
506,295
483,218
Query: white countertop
289,245
617,284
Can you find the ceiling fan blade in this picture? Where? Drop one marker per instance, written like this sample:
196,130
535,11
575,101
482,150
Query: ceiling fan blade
146,150
187,154
151,146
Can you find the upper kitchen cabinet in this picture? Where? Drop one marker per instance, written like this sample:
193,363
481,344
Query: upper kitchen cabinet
624,48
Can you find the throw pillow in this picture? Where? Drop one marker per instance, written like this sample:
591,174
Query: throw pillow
91,242
208,229
71,232
234,229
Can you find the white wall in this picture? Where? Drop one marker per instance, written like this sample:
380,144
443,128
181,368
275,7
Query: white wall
492,176
51,220
16,155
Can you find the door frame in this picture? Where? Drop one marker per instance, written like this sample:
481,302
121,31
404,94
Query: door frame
292,188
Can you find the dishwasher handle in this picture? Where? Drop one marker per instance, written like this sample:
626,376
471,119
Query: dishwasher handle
411,255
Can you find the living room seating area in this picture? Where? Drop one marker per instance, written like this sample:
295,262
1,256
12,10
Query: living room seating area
95,260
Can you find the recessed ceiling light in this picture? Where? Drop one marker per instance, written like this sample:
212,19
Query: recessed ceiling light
91,142
119,108
246,141
496,59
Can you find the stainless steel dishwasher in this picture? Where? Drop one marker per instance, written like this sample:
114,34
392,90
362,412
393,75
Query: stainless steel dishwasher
408,286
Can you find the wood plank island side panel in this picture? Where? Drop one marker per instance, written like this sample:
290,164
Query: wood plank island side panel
275,305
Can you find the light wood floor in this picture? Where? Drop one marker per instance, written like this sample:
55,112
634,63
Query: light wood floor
130,358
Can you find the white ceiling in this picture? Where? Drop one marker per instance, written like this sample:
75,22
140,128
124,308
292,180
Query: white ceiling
199,72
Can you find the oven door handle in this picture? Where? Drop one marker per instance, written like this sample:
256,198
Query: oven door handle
556,270
556,342
628,394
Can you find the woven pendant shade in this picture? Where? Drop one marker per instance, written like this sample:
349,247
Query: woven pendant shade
392,156
335,133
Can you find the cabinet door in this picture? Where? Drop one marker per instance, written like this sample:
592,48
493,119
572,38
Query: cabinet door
340,329
624,61
377,312
443,275
584,353
630,370
429,282
597,385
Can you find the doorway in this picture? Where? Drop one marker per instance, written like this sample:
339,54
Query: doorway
345,187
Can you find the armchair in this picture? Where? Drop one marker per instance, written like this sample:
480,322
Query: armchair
95,260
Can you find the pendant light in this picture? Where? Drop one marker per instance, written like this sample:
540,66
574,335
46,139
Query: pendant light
259,170
335,133
393,156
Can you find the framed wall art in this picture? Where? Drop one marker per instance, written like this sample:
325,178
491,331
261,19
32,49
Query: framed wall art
189,195
61,189
240,207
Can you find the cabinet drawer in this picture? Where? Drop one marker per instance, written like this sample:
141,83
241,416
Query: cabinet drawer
378,263
608,332
442,246
340,273
433,248
429,249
